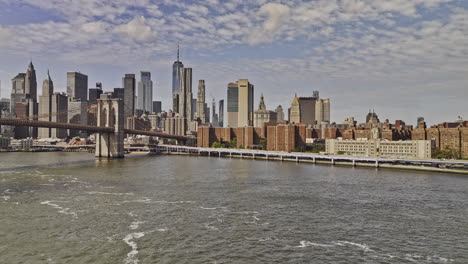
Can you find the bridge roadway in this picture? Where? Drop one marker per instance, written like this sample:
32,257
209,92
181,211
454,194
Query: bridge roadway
301,156
94,129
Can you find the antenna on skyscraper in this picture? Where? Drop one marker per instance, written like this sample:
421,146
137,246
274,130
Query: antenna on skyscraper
177,51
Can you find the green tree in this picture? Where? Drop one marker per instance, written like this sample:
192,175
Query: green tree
233,143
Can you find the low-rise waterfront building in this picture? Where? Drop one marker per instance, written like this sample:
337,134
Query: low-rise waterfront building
419,149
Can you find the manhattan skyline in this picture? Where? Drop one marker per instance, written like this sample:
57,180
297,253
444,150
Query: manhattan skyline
400,58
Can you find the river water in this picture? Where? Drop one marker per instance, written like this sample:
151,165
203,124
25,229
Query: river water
69,208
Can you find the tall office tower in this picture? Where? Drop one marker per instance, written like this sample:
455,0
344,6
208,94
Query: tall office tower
185,95
45,106
157,107
303,110
145,92
279,114
17,91
207,116
322,111
240,103
214,116
77,86
194,108
59,114
94,94
295,111
201,102
77,114
118,93
221,113
177,75
52,108
129,95
30,83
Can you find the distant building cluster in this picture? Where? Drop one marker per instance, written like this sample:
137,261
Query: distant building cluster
304,125
370,139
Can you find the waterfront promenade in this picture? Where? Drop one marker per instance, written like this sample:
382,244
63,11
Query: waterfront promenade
425,165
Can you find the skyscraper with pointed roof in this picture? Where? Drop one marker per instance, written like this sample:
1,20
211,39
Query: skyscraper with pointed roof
177,75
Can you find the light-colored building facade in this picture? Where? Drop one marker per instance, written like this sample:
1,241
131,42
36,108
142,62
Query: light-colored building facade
279,114
240,103
418,149
201,105
262,115
322,111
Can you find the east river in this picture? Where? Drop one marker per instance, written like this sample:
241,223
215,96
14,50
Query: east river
69,208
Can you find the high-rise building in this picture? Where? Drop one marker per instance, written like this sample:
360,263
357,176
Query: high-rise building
240,103
185,95
95,93
77,114
129,95
177,75
262,115
322,111
17,91
30,83
77,86
52,108
157,107
309,110
145,92
214,116
279,114
201,102
119,93
221,113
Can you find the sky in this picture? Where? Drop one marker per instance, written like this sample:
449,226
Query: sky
402,58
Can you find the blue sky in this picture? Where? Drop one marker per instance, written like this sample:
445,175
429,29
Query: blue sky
403,58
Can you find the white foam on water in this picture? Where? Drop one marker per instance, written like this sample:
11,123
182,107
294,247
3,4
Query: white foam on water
132,214
109,193
47,184
209,226
361,246
305,243
6,197
61,209
135,224
212,208
131,256
161,229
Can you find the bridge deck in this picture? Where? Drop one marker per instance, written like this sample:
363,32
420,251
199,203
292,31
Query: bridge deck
100,129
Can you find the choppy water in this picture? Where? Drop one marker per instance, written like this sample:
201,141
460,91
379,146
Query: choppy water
68,208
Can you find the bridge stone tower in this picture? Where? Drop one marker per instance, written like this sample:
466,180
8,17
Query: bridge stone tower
110,113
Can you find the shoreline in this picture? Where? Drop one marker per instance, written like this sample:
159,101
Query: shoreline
340,163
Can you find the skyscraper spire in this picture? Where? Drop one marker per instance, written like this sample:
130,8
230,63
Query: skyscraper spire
177,51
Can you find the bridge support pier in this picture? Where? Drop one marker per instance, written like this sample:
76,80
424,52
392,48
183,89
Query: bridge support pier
110,114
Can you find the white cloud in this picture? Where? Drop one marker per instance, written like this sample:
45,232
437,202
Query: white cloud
136,29
275,14
97,27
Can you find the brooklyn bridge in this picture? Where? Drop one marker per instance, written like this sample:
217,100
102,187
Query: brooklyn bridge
110,130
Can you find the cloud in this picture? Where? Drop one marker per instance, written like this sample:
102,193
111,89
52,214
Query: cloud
275,15
97,27
136,29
